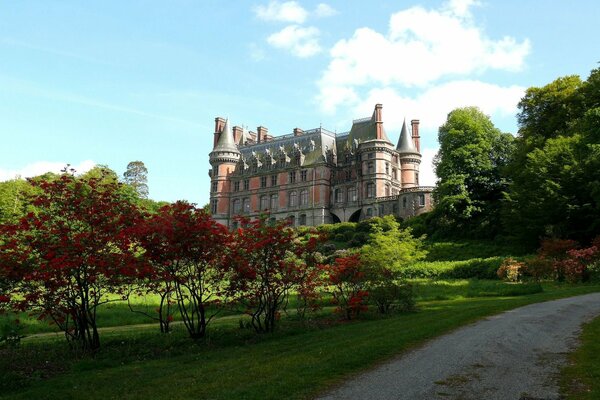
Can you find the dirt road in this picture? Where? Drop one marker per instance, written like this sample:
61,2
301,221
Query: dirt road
514,355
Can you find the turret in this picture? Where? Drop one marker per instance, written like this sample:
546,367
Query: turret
223,159
410,158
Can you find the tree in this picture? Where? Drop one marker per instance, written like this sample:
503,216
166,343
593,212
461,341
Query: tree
267,262
348,280
136,176
186,249
469,165
555,171
70,254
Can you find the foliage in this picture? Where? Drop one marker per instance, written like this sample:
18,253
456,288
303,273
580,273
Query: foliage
555,170
267,261
186,251
136,176
389,295
11,332
469,166
348,279
70,254
512,270
475,268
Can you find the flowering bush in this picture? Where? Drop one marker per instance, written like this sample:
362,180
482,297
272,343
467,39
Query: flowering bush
512,270
348,280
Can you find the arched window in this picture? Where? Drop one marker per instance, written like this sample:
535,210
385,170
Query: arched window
339,196
352,194
274,201
237,206
302,219
369,212
292,220
264,202
370,190
293,202
303,197
246,206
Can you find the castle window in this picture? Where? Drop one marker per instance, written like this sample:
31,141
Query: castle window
263,181
387,168
213,206
303,197
214,186
303,175
274,201
404,202
369,212
264,202
348,175
292,220
422,200
237,206
246,184
352,194
416,178
339,196
273,180
246,206
370,190
371,156
394,192
394,174
292,177
370,167
236,186
395,208
293,201
381,210
387,190
302,219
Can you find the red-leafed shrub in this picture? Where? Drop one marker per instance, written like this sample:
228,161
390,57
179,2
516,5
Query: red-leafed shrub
348,281
512,270
266,262
71,254
185,250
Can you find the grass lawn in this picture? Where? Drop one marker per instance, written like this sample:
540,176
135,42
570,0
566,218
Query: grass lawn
581,379
298,361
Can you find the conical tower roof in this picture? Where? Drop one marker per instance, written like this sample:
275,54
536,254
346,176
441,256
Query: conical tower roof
405,143
226,142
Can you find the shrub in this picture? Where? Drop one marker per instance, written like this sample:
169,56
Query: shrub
479,268
512,270
388,296
340,237
347,278
11,333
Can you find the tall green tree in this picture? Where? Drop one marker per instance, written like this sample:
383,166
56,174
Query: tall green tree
136,176
556,168
470,168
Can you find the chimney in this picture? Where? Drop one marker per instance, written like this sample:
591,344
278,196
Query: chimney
262,131
237,134
252,136
415,134
267,138
378,120
298,131
219,123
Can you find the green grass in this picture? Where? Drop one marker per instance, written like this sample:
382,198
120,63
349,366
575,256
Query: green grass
296,362
462,250
581,379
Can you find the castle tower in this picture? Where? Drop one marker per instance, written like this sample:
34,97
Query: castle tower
223,159
410,158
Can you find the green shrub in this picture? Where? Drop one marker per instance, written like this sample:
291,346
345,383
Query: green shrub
479,268
390,296
339,237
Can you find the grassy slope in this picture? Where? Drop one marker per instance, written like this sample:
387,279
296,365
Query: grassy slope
581,379
285,365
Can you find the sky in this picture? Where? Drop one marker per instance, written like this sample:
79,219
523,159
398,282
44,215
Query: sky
109,82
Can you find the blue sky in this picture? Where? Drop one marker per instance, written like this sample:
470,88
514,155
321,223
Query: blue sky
110,82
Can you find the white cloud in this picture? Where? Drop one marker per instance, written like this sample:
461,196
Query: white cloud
41,167
324,10
289,11
300,41
420,48
433,105
427,175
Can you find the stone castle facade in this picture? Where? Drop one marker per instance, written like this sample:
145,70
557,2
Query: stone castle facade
316,176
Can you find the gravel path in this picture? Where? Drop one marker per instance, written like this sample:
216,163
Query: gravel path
514,355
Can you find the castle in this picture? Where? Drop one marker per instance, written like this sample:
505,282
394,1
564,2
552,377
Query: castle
316,176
